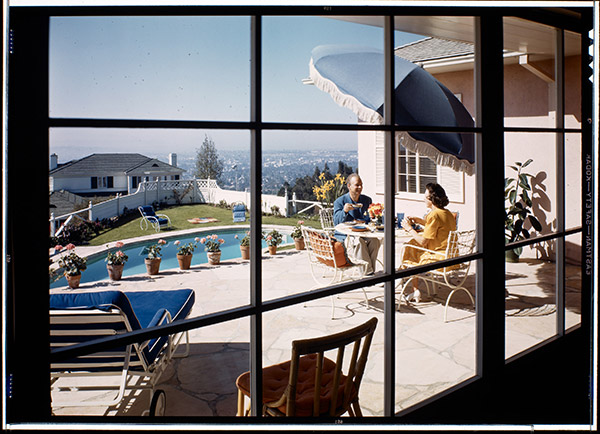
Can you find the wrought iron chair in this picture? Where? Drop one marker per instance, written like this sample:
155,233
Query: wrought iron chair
329,263
459,244
150,218
326,216
310,384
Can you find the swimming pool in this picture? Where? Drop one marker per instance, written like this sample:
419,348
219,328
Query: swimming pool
96,266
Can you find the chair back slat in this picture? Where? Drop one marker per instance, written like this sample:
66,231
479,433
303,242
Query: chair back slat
351,373
337,375
318,378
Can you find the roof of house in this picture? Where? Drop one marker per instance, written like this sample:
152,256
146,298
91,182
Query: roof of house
433,49
63,202
130,164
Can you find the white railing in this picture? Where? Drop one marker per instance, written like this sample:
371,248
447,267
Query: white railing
187,191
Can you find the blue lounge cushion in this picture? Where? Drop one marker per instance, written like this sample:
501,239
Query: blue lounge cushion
148,211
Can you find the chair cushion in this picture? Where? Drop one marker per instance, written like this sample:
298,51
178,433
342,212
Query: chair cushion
276,378
339,256
162,221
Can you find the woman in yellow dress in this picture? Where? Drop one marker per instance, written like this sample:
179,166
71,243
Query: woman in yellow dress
438,224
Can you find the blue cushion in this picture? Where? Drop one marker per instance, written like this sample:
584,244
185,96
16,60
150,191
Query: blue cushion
163,222
148,211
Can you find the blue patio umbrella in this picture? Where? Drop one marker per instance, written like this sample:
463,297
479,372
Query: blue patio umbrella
353,76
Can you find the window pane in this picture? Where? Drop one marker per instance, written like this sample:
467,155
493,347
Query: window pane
150,67
573,180
412,184
572,80
573,280
427,166
423,181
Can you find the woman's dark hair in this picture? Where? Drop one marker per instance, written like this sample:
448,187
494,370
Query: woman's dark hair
437,195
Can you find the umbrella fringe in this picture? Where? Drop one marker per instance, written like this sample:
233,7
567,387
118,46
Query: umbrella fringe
348,101
431,152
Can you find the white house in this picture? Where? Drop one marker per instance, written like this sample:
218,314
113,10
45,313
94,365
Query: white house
108,174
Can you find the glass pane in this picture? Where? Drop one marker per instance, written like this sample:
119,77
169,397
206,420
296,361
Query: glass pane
412,184
403,183
529,85
572,80
194,206
427,166
150,67
573,280
573,180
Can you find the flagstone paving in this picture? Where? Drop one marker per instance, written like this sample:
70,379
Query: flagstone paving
431,356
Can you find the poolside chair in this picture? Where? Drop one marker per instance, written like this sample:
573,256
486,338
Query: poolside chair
81,317
150,218
326,216
310,384
239,212
329,263
459,244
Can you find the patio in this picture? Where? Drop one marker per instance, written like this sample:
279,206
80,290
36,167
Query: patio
431,356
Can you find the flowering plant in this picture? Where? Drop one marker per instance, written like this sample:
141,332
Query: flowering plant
72,263
376,211
154,249
212,243
330,189
245,241
297,232
186,249
274,238
118,257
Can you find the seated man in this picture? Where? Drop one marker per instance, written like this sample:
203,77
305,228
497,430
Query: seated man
353,206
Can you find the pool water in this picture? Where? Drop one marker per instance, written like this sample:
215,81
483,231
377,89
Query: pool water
96,266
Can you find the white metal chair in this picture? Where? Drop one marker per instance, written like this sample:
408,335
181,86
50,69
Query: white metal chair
150,218
326,216
329,263
459,244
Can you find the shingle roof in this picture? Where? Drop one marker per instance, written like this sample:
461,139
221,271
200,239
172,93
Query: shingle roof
433,48
110,163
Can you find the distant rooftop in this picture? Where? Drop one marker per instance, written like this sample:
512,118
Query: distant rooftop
128,163
433,49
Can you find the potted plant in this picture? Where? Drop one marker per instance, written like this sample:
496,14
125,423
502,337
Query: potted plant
518,204
152,260
274,238
72,265
212,245
244,245
185,253
297,235
115,261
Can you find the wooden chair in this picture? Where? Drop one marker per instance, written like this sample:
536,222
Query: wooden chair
459,244
310,384
329,263
326,216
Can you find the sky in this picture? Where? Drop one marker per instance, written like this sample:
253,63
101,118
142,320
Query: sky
192,68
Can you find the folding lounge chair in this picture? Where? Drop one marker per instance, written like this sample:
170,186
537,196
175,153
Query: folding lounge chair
150,218
239,212
81,317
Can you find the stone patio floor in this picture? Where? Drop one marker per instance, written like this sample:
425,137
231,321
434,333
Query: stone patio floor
431,356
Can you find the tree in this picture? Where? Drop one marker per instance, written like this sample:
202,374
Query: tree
208,164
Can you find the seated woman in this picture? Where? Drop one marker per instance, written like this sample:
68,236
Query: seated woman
438,224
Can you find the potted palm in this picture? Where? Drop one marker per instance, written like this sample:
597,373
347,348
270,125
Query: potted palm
115,262
72,265
152,260
297,235
274,238
518,204
185,253
212,245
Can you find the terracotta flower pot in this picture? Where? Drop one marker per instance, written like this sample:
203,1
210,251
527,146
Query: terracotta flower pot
115,271
245,252
214,258
73,281
184,261
299,242
273,250
152,265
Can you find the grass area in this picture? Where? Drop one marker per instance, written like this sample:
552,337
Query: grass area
179,216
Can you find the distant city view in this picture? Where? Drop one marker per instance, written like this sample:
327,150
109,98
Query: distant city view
278,166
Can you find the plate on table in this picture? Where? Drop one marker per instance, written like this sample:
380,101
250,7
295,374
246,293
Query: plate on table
350,223
379,228
359,228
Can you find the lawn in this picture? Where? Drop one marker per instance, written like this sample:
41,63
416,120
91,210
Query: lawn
179,216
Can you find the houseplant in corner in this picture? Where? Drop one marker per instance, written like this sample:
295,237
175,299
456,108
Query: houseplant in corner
274,238
297,235
212,245
152,260
185,253
518,204
115,261
72,265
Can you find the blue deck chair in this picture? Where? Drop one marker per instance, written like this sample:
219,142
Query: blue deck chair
150,218
81,317
239,212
